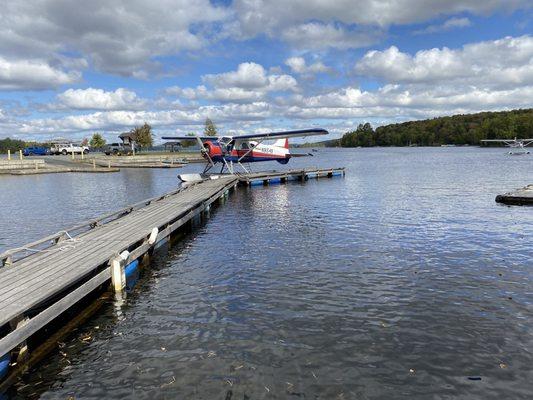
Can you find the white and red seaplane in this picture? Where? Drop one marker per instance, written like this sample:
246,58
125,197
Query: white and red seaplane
231,151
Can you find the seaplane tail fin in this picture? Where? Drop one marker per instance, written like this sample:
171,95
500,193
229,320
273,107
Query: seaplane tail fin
282,143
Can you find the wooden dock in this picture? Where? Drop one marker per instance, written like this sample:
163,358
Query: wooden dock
522,196
43,279
270,177
54,273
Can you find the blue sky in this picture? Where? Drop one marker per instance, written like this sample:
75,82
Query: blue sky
70,70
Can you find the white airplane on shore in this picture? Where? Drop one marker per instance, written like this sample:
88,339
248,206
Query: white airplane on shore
518,146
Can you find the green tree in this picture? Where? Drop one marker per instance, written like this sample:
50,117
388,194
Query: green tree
210,128
11,144
142,135
458,129
189,143
362,136
97,141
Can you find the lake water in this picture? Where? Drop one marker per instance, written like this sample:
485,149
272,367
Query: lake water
402,280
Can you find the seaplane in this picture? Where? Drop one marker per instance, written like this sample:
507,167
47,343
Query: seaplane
518,146
233,151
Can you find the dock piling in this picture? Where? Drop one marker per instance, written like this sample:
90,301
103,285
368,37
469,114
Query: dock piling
153,236
118,274
22,350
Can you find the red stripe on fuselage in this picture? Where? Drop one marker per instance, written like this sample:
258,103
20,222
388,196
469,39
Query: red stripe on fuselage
240,153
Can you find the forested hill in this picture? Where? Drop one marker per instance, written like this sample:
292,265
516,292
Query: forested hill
457,129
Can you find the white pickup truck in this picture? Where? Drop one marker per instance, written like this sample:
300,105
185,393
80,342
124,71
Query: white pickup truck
68,148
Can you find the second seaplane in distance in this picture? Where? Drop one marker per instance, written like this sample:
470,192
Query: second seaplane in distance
518,146
231,151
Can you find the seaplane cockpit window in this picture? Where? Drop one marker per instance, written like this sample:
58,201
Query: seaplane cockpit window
244,146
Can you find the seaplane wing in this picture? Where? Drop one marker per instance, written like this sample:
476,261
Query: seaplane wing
254,136
202,138
281,135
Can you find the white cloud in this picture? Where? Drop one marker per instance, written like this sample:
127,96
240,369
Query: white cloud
33,75
121,37
345,102
120,120
388,103
249,83
492,75
392,65
449,24
506,62
299,66
130,37
259,16
344,24
247,76
98,99
229,94
280,83
317,36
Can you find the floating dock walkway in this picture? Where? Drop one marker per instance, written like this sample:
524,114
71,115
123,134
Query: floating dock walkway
269,177
521,196
42,280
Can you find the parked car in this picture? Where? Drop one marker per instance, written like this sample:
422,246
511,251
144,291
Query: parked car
117,149
36,151
68,148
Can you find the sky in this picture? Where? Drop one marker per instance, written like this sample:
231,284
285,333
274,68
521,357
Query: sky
71,68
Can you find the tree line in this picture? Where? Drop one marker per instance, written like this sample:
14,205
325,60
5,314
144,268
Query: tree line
457,130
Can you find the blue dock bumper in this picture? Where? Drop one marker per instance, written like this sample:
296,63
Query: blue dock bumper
131,268
4,365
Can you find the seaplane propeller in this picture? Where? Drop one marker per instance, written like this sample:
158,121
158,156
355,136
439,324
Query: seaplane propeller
204,151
